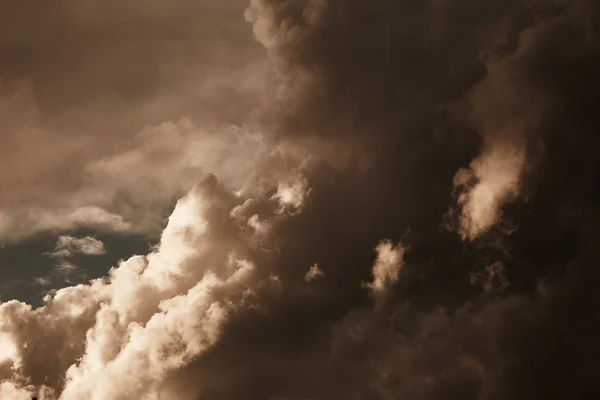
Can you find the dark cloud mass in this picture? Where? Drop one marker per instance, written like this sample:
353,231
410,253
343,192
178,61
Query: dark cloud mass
385,199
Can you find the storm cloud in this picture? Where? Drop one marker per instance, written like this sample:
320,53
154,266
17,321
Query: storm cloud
357,200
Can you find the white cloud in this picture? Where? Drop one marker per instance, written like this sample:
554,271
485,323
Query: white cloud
8,350
292,193
9,390
496,173
67,246
387,267
122,336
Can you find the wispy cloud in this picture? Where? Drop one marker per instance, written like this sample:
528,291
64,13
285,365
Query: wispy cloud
67,246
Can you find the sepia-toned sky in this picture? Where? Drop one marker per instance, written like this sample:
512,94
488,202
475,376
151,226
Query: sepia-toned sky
299,199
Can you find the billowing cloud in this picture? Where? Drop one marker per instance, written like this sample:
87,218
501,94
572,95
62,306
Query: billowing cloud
125,334
315,262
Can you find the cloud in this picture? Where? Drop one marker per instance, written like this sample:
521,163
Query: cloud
8,390
129,192
67,246
386,270
314,273
152,106
372,120
292,194
19,224
492,180
151,316
8,349
517,111
67,267
461,87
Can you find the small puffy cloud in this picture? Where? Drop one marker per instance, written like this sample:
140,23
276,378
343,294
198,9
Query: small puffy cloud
386,270
292,193
259,226
245,212
492,180
314,273
67,246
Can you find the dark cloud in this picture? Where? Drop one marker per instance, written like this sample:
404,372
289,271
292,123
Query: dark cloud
423,104
437,162
112,56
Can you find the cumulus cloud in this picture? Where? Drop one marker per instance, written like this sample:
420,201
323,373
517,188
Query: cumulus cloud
124,335
366,121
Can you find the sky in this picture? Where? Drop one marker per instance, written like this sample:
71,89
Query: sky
299,199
